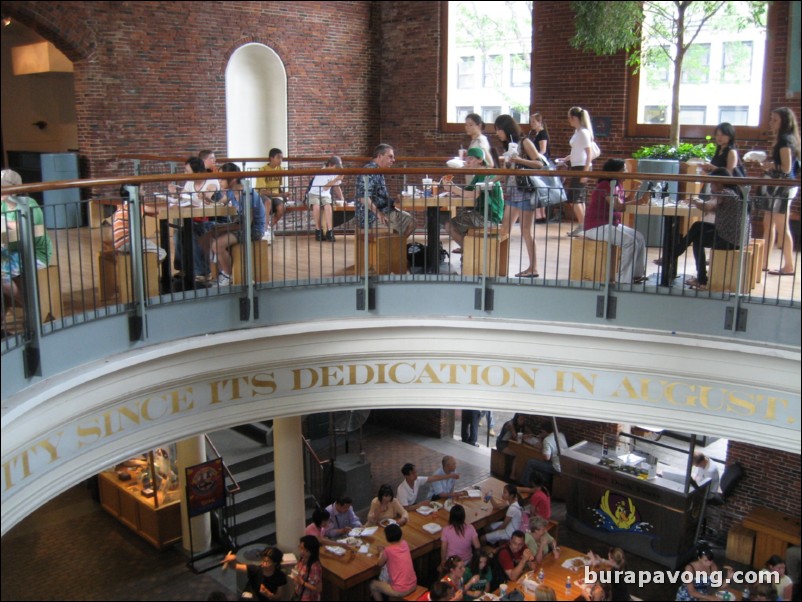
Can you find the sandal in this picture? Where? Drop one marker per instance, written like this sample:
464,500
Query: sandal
457,251
527,275
692,282
779,273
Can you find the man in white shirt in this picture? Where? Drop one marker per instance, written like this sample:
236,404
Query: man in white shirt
410,486
703,470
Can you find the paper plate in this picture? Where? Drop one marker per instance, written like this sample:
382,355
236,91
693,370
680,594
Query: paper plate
432,528
386,522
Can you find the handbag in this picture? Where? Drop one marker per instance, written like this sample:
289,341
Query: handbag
595,151
548,190
524,183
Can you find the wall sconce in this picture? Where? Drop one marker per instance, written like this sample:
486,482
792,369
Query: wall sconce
6,21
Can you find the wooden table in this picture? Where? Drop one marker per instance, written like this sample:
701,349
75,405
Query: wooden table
522,453
347,577
167,212
676,220
11,234
774,532
433,205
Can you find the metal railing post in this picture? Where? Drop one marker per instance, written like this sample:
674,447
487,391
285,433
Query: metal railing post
136,322
248,303
32,319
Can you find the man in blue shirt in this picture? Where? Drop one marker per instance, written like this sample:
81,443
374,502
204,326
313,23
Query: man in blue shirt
342,517
380,206
445,488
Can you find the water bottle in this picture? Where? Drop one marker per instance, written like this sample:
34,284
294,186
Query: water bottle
746,594
541,576
568,586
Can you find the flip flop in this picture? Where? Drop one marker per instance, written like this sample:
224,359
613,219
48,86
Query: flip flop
527,275
457,251
692,282
779,273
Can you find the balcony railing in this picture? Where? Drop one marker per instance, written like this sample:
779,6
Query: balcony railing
88,279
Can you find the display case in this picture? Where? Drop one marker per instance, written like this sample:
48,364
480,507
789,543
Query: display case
143,494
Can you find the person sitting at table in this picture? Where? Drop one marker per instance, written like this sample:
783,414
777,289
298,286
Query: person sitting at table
11,258
265,580
616,561
764,592
319,199
397,578
545,593
480,566
445,488
553,443
217,243
308,573
410,486
342,517
270,190
598,226
784,586
540,498
503,530
318,527
381,207
509,432
458,538
474,217
594,592
539,540
724,234
454,574
384,505
121,228
701,568
514,557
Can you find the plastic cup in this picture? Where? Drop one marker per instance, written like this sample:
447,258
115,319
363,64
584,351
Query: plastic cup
502,589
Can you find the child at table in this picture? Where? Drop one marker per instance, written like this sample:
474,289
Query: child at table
479,566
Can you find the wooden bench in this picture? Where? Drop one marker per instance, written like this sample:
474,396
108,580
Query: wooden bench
498,252
387,252
261,262
114,270
757,246
723,275
589,260
417,593
49,284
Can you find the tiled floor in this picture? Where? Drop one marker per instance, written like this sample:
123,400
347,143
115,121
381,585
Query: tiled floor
70,549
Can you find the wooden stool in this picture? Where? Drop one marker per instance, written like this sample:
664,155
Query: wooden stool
724,271
498,252
387,252
740,544
554,529
261,262
757,247
500,464
589,260
115,276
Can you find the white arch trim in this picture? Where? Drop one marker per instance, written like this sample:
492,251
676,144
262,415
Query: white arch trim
72,426
256,102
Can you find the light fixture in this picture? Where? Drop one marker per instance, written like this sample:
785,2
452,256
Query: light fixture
41,57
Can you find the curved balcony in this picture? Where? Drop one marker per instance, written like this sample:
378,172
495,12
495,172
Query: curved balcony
314,328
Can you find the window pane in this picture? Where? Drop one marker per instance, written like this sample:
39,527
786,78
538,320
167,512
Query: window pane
463,112
734,115
489,114
724,65
736,66
495,37
465,72
692,115
696,66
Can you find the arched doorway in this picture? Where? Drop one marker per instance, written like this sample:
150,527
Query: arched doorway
256,102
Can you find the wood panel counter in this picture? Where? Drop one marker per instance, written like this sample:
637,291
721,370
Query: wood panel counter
161,526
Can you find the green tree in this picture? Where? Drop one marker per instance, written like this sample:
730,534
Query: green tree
653,31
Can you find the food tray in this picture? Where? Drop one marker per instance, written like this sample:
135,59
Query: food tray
432,528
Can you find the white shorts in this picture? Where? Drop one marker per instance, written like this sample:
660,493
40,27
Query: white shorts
316,199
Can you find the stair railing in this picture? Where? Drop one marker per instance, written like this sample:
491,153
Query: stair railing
316,471
227,520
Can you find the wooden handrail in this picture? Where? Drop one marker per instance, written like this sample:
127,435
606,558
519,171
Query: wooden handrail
298,159
136,180
311,451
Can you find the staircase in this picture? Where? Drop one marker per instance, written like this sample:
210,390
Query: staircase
251,463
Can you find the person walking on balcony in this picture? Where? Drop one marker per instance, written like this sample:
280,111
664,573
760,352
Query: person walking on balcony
381,207
580,159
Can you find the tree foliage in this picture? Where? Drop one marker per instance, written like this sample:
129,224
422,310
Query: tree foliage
653,31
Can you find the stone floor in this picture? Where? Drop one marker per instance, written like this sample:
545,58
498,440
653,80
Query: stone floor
70,549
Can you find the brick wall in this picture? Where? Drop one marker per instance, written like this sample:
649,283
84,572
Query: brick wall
431,423
771,479
150,77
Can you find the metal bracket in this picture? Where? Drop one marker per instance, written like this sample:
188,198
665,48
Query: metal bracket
611,307
740,321
360,299
244,309
477,299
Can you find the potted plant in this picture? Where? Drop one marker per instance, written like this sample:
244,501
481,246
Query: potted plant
683,152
